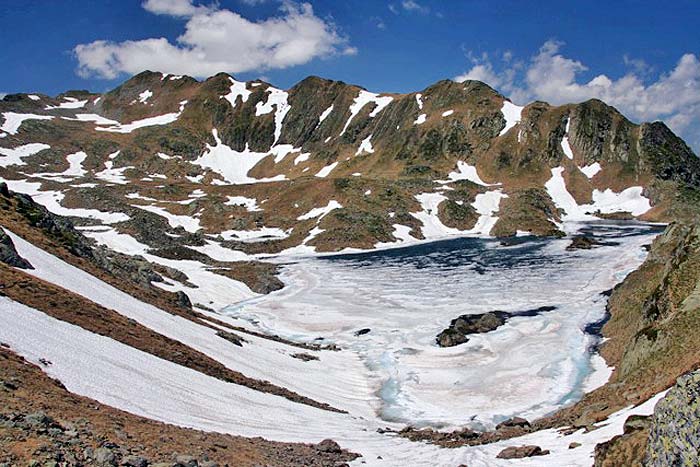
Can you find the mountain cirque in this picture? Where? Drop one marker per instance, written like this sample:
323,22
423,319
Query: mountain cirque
249,162
172,191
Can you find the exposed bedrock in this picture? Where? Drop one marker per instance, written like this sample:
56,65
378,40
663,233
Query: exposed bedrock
458,330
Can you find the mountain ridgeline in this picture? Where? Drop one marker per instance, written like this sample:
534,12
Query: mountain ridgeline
459,153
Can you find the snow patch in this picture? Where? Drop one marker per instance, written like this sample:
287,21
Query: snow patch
238,88
251,204
511,113
566,147
466,172
326,170
591,170
14,120
278,99
14,156
189,223
421,119
51,200
146,122
98,119
364,98
325,114
365,146
607,202
145,95
231,164
259,235
320,212
302,158
69,103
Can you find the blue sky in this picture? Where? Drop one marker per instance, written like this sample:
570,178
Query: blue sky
641,56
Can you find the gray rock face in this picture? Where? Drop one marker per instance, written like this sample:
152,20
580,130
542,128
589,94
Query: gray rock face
9,255
674,439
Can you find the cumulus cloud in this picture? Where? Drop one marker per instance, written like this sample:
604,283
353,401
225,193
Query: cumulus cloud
217,40
673,96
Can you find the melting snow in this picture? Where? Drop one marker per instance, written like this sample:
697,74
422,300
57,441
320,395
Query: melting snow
252,236
419,101
278,99
33,97
251,204
565,142
486,204
447,113
146,122
70,103
511,113
14,120
326,170
113,175
98,119
364,98
320,212
340,378
365,146
231,164
325,114
629,200
145,95
51,200
302,158
466,172
14,156
238,88
591,170
421,119
189,223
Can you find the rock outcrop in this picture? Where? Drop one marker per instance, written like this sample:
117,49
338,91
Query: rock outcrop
9,255
674,433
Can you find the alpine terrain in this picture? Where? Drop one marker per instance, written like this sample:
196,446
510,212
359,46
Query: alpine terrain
217,272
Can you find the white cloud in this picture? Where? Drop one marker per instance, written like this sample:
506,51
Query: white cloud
183,8
550,76
217,40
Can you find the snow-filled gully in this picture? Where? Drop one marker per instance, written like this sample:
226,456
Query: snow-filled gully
391,376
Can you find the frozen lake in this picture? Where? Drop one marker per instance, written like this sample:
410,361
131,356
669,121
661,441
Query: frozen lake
528,367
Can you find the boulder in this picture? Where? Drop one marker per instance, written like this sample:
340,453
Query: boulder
583,242
514,422
329,446
519,452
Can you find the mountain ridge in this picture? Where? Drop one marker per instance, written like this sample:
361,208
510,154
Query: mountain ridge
454,158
